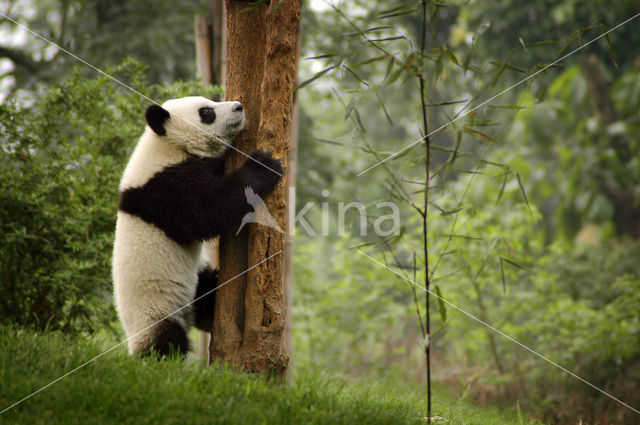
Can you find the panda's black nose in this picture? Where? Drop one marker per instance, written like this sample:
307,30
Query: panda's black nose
238,108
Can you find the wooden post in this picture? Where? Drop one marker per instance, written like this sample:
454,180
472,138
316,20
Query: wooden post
203,49
218,26
261,70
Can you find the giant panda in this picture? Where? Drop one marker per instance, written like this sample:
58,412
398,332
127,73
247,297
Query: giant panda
173,197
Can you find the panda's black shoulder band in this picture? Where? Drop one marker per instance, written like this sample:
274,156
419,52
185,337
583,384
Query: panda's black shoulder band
156,116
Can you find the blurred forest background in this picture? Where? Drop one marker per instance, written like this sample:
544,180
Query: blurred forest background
534,198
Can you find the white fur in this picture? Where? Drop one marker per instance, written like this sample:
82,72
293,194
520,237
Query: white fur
153,275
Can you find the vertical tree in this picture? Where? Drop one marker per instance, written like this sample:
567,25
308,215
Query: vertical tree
249,317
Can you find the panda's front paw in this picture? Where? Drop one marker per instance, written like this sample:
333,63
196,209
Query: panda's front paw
266,162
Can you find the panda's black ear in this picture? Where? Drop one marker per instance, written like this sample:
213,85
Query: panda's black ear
156,117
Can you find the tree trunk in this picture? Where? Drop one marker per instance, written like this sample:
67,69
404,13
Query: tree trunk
626,215
249,317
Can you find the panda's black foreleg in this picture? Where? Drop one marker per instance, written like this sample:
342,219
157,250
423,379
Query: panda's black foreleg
205,299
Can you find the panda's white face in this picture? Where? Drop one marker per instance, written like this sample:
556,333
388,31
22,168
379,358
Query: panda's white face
200,126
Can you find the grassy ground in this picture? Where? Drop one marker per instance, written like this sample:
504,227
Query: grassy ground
116,389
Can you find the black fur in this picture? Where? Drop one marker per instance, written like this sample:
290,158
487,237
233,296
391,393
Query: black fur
169,338
194,201
203,307
207,115
156,116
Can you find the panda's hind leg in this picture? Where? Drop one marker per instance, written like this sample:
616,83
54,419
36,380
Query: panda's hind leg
168,338
205,299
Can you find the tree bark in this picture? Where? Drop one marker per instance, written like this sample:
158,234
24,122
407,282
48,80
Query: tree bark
249,317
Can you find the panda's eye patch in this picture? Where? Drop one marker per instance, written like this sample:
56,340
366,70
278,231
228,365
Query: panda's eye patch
207,115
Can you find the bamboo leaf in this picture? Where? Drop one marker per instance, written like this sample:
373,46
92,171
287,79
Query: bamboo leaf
438,67
355,74
506,65
609,46
323,56
394,76
450,212
397,11
524,46
359,121
441,306
315,77
452,102
493,163
516,265
524,193
379,40
370,60
349,108
570,39
471,238
451,56
389,67
478,134
504,284
542,43
363,32
494,80
438,207
454,154
330,142
384,108
504,184
481,29
517,107
466,62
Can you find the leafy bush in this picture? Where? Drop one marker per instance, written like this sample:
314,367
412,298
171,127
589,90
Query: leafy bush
584,315
60,163
349,315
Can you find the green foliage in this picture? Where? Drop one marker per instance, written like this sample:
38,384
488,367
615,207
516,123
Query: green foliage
158,34
60,163
549,29
576,306
584,316
516,189
341,300
578,170
118,389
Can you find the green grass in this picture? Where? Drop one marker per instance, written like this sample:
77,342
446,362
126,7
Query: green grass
117,389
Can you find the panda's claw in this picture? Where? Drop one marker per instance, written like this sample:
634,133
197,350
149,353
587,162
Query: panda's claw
265,161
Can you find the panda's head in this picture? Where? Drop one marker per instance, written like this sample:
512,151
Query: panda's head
197,125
